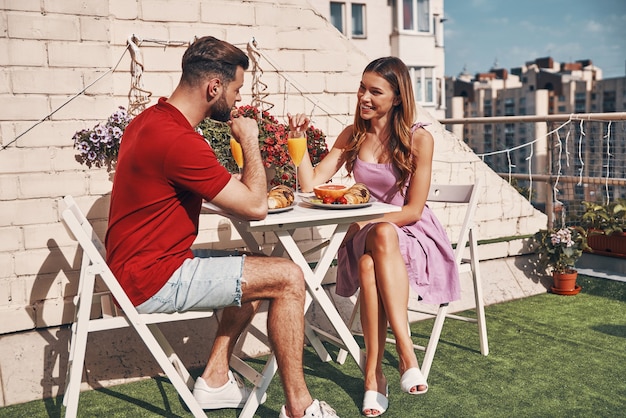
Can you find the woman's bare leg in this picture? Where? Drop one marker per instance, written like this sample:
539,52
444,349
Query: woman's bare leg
374,325
393,288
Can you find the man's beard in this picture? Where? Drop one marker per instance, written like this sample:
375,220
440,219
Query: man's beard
220,111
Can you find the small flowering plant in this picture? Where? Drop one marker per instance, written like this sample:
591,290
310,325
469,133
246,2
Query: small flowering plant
99,146
560,249
272,143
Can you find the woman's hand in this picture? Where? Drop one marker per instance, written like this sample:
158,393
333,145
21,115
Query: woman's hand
298,122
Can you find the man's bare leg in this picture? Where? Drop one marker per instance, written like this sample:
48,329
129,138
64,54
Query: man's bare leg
281,282
233,322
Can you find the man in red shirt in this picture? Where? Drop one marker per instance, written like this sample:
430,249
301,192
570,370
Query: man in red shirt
165,169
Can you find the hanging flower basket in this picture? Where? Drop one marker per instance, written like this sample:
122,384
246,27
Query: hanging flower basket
98,147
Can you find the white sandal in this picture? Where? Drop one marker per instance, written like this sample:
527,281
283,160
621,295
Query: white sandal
374,400
413,378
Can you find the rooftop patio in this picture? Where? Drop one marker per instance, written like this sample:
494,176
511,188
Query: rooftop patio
550,356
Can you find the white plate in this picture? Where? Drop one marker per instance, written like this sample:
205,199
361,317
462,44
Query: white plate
314,201
280,210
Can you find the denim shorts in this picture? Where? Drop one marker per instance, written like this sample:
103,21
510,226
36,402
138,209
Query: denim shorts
210,280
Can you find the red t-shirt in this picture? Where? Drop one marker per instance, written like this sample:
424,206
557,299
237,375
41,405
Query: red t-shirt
165,168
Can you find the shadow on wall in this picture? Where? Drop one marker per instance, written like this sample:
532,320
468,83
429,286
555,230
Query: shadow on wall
56,349
530,266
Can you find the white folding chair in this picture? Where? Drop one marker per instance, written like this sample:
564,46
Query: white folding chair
110,318
466,195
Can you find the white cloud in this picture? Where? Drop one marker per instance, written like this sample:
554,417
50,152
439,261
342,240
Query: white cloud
499,20
593,26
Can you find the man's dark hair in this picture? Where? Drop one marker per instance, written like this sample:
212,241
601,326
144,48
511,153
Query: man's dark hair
209,56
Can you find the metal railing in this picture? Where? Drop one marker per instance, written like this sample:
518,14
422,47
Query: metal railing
583,158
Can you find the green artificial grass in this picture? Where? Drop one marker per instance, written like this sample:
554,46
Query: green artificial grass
550,356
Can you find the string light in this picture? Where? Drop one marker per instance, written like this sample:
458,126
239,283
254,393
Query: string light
555,188
608,160
580,153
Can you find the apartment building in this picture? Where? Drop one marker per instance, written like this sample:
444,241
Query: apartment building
543,87
409,29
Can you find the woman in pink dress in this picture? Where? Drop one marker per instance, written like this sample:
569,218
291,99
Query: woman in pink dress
392,156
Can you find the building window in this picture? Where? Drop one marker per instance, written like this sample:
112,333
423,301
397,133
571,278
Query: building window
424,84
609,101
509,107
415,15
337,16
358,20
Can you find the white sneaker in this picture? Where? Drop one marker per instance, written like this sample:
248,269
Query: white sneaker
233,394
316,410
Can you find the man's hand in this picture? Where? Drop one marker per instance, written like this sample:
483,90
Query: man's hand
246,195
244,130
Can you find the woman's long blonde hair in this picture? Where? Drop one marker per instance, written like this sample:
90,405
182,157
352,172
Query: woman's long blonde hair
401,119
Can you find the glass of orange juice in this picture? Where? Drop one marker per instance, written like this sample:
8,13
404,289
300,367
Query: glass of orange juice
296,145
235,149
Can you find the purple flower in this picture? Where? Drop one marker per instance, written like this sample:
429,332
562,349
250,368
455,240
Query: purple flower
99,145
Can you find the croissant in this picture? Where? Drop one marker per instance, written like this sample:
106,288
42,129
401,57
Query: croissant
279,196
357,194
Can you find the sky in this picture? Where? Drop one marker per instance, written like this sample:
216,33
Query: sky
484,34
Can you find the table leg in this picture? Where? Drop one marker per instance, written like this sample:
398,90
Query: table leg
248,238
314,279
254,400
315,341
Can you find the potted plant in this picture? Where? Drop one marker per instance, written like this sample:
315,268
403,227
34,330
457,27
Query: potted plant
559,250
605,225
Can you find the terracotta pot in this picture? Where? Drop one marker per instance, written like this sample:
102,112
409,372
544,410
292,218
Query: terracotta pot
565,283
612,245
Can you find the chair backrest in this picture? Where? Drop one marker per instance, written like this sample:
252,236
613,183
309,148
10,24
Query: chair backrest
94,254
458,194
75,220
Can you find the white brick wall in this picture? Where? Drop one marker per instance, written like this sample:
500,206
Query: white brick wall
38,26
53,49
